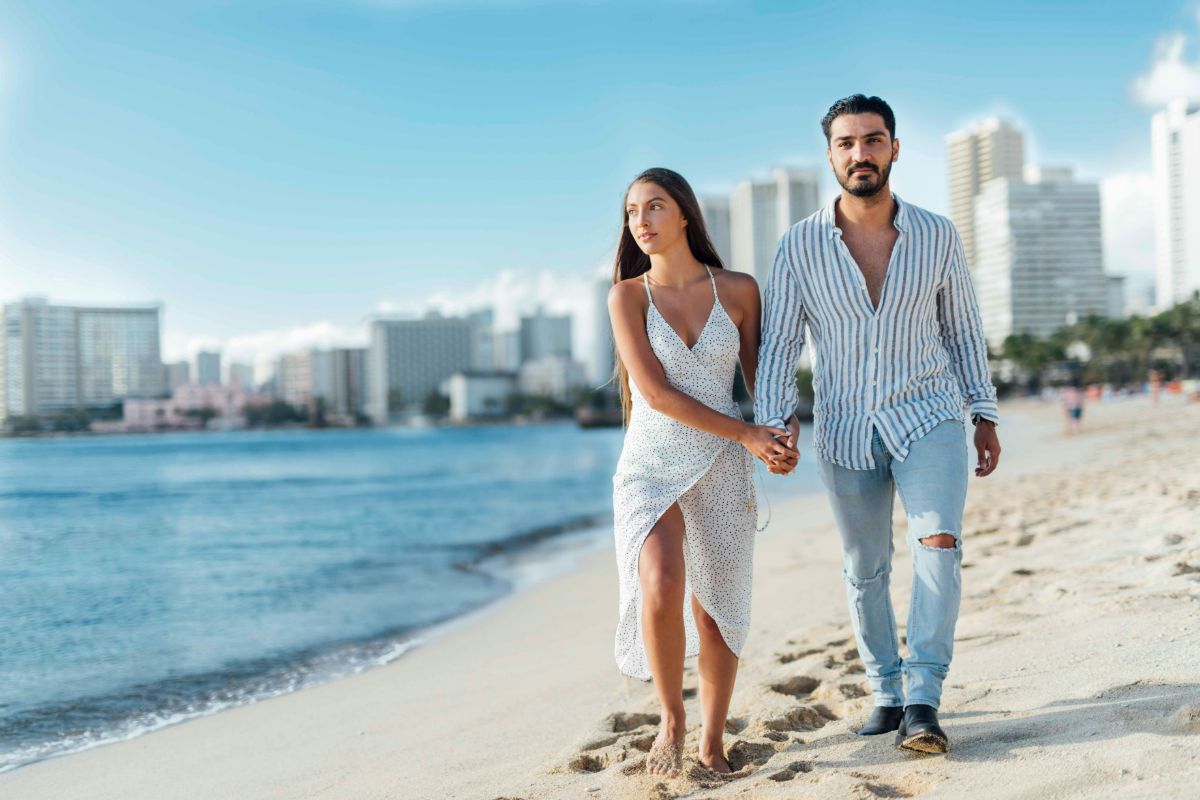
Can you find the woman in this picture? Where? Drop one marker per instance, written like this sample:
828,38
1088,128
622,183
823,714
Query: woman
683,493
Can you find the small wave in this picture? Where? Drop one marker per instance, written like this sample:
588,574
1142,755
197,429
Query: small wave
81,724
524,540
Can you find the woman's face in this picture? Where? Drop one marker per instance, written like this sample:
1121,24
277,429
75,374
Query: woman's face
654,219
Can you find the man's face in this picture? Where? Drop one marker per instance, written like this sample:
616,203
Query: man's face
861,153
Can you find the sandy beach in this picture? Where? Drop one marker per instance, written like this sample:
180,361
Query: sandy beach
1074,674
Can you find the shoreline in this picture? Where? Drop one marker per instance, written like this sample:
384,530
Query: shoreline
521,561
521,699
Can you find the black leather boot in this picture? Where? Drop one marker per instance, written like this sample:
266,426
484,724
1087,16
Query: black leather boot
919,731
884,719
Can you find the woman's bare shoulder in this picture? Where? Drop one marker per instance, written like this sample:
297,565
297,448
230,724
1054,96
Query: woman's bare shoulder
741,285
627,294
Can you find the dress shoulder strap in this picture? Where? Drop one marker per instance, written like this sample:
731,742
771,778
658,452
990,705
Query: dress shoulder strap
646,283
712,278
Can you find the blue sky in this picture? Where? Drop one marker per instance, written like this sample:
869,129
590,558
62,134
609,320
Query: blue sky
276,172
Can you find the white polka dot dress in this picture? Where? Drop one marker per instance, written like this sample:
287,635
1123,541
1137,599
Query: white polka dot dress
664,461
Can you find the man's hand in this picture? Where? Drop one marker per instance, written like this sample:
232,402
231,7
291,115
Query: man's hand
987,447
784,466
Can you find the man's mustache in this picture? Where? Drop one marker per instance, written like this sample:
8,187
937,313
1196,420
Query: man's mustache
864,165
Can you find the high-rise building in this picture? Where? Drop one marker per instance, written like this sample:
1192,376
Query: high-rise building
602,340
991,149
294,377
797,196
408,359
553,376
241,376
544,335
57,358
716,220
1175,146
208,368
348,368
119,354
1117,303
506,350
336,378
1039,254
483,347
176,375
760,212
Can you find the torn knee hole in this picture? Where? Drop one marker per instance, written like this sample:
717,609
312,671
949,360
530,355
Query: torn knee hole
940,541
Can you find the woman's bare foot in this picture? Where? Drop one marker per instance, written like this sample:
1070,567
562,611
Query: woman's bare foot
666,754
712,755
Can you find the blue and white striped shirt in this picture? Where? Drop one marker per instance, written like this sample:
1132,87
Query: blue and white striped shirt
902,369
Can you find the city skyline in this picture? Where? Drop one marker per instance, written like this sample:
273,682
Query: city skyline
88,215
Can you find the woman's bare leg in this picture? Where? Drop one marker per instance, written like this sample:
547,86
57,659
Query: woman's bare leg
661,571
718,669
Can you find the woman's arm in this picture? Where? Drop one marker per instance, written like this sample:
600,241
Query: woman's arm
627,307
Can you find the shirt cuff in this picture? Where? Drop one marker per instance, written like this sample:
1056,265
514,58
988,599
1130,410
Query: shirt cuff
986,409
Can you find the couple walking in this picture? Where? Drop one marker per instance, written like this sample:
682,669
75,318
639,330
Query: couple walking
883,289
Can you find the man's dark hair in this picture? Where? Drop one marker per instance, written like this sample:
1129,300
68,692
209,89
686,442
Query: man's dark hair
859,104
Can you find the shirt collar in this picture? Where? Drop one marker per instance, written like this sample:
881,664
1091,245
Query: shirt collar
829,216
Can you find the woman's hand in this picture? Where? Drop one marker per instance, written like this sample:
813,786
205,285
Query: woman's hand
761,442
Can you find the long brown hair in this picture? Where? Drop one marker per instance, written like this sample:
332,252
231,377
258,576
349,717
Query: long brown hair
631,261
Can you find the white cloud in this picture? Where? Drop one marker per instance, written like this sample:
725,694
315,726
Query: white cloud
511,293
1171,75
1127,208
264,347
516,292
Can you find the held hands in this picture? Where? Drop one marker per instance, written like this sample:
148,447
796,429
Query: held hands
784,465
775,447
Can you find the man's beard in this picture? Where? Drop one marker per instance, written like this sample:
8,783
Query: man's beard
864,186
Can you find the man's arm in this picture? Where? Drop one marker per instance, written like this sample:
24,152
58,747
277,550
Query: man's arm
775,395
962,334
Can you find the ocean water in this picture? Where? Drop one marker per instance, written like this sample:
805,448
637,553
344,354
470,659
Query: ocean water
149,579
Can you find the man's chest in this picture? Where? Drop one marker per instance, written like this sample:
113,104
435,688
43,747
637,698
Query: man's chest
840,282
871,254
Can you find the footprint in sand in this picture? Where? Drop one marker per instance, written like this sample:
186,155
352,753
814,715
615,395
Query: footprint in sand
796,686
586,762
787,658
872,787
629,732
742,754
622,722
791,771
801,718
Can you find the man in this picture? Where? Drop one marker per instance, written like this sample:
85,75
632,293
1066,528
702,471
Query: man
883,289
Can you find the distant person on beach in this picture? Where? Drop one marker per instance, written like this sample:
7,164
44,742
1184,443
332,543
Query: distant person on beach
683,494
883,289
1072,400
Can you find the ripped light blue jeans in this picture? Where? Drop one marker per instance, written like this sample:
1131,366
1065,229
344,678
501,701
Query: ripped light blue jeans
932,482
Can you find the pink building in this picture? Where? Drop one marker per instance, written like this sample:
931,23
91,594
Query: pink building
227,402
